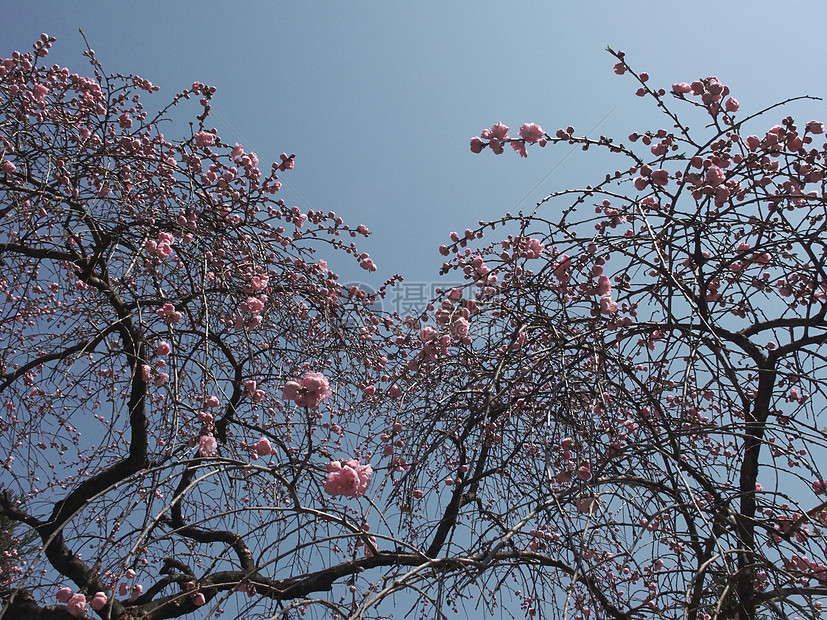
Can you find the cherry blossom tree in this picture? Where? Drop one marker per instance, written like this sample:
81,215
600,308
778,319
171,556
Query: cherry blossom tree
616,417
180,374
645,401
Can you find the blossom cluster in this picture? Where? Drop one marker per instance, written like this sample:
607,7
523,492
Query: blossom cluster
350,479
156,374
310,392
497,136
168,314
604,289
263,448
76,603
453,325
523,247
162,248
207,445
711,92
249,313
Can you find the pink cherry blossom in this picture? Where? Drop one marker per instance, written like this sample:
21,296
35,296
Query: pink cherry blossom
732,105
203,138
162,248
98,601
528,247
660,177
168,313
816,127
291,390
77,605
604,286
63,595
313,389
162,348
519,146
207,445
349,479
459,328
39,92
198,599
561,268
607,305
253,305
259,282
476,145
498,132
427,334
263,447
531,132
715,176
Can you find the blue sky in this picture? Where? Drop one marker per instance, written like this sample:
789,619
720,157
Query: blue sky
379,99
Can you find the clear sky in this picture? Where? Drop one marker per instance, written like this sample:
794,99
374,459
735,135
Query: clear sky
379,99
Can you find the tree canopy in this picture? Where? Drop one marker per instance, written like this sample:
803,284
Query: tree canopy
616,416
